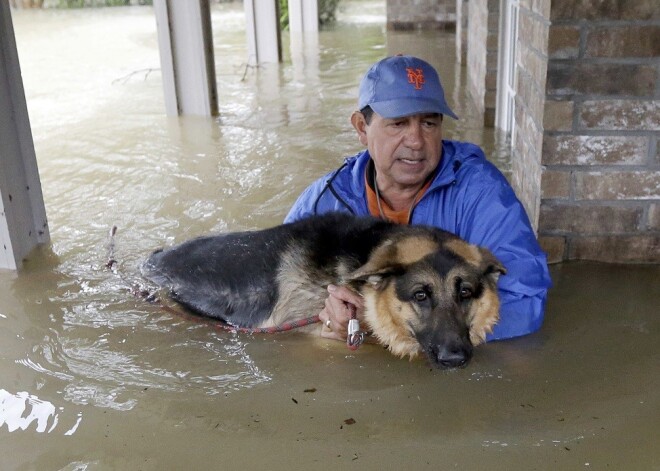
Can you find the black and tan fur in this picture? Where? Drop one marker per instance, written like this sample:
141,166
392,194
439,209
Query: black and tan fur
425,290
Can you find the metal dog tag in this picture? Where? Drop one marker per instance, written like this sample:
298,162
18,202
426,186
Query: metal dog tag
353,326
355,336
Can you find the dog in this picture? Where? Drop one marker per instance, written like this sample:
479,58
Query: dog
424,289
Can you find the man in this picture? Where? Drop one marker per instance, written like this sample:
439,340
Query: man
409,174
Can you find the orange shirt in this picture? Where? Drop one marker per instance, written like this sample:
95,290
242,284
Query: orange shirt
399,217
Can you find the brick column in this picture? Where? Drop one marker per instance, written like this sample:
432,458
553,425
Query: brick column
601,184
531,67
482,51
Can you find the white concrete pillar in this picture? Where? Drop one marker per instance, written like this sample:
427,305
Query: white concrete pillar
303,16
304,49
263,31
461,30
186,56
23,222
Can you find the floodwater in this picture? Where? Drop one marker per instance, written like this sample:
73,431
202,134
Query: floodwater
93,379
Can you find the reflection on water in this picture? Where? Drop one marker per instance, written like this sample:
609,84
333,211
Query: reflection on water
13,407
133,387
20,410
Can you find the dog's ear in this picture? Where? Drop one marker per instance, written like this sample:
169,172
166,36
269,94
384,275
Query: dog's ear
380,266
376,279
490,266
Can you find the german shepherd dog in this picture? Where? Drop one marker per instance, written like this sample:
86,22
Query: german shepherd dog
424,289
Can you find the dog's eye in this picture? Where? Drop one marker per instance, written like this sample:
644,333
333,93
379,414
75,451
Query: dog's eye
465,292
420,296
464,289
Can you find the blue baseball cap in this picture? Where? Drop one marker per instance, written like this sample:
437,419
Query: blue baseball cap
401,86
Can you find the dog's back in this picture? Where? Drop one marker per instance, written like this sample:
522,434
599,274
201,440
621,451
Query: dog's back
240,277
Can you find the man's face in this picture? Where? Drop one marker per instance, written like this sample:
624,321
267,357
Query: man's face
405,150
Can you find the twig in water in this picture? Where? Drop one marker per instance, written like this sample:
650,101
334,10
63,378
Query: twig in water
125,78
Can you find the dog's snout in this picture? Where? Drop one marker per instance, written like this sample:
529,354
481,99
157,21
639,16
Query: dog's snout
451,356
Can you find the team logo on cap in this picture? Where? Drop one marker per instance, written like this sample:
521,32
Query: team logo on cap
415,77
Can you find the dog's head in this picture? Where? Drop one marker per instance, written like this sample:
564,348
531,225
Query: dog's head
433,296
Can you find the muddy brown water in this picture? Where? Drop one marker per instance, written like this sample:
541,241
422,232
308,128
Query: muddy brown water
94,379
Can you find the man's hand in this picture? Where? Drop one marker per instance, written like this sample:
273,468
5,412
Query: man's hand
337,311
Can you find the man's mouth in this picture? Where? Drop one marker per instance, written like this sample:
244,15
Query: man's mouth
410,161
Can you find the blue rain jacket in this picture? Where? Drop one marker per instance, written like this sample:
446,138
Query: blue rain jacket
470,197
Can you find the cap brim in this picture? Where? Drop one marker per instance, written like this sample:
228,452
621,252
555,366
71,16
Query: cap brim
408,107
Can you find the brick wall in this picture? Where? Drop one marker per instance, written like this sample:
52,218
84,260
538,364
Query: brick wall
531,62
601,183
421,14
482,37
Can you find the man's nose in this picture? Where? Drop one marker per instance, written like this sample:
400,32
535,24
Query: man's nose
414,139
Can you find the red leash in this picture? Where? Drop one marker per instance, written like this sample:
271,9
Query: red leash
354,339
275,329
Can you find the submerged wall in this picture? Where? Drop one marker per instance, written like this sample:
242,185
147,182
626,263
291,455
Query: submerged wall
422,14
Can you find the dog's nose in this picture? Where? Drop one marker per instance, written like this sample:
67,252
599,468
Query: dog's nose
451,356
